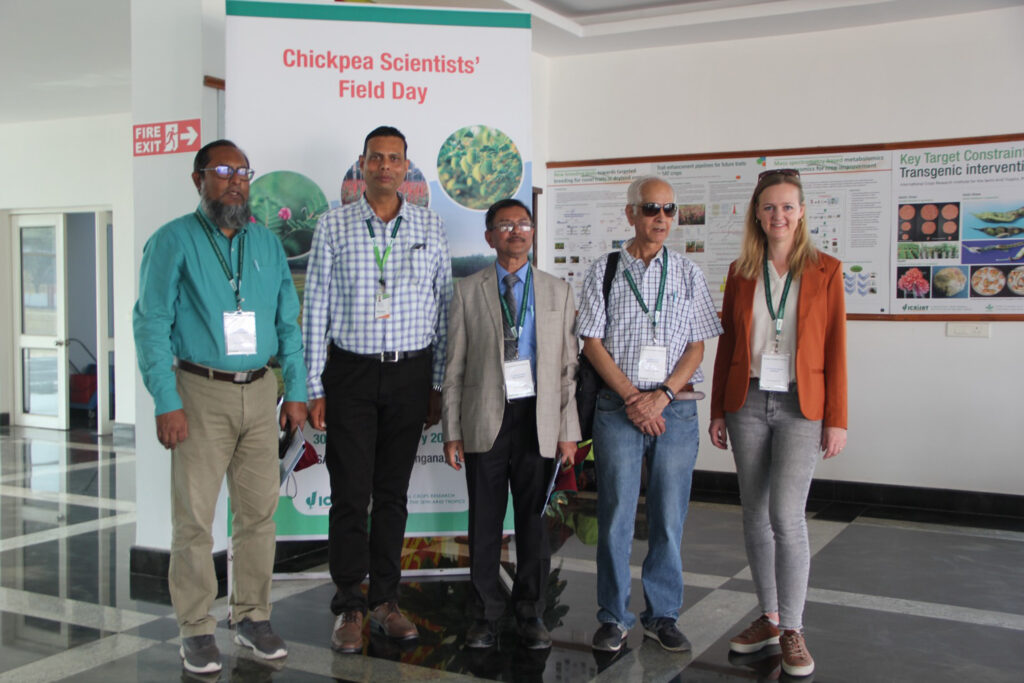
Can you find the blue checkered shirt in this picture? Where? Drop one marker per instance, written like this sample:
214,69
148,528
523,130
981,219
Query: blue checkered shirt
342,284
687,315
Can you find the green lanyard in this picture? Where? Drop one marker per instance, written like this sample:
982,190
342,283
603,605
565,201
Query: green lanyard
382,260
235,282
517,330
782,302
661,292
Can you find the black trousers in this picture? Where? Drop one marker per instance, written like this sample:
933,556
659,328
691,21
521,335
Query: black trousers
375,415
515,462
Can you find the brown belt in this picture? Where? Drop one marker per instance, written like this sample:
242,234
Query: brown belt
244,377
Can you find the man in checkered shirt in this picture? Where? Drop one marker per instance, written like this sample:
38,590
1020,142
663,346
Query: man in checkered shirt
646,345
375,323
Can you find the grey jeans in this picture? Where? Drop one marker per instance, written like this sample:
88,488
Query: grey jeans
775,448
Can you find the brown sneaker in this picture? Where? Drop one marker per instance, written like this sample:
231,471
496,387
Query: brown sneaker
796,660
387,619
348,632
760,633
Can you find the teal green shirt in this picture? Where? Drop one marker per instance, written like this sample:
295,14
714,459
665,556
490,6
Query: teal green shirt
184,292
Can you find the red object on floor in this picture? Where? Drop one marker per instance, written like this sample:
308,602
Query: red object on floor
83,388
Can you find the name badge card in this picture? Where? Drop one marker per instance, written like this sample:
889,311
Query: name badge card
518,379
775,372
653,366
382,306
240,333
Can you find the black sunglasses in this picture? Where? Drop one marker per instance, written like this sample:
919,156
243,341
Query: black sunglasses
651,209
788,172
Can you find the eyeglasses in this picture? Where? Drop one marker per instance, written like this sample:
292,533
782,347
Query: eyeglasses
224,171
788,172
651,209
508,226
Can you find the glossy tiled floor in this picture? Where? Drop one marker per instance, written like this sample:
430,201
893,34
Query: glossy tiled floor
890,599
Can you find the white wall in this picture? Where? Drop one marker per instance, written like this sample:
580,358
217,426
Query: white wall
925,410
69,164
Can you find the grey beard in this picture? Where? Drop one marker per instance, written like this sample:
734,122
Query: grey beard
232,217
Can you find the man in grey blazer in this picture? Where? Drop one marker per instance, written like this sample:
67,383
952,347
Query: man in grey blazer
508,411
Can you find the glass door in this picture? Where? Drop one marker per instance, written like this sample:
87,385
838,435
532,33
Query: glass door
40,334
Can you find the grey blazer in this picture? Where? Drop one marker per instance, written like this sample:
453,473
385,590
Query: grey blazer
473,398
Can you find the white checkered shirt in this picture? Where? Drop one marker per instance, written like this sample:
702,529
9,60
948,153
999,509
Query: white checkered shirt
687,314
342,284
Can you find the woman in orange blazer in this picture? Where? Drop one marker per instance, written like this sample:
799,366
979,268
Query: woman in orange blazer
779,392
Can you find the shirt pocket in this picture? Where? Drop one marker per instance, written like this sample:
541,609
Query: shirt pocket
416,263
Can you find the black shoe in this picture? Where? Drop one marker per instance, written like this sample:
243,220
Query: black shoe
481,635
532,634
200,655
665,631
610,637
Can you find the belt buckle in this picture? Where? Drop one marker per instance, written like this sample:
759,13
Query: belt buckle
389,356
242,377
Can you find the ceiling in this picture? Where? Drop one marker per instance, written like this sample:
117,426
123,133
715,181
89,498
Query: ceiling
67,58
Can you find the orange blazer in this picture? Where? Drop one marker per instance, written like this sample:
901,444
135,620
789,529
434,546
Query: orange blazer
820,344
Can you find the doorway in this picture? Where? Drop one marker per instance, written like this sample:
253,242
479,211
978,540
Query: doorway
63,327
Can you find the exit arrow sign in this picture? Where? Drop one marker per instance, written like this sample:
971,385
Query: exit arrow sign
167,137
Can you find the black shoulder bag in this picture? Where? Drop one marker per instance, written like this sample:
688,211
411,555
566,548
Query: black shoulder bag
588,381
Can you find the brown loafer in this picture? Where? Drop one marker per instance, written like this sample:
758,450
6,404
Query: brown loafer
387,619
348,632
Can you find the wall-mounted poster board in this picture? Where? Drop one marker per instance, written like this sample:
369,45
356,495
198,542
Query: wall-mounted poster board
924,229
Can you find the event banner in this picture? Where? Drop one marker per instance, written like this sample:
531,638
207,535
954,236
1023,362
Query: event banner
305,83
936,230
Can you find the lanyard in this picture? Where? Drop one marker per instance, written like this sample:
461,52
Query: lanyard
661,292
517,329
235,282
782,301
382,260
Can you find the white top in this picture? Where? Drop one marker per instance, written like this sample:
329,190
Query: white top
762,327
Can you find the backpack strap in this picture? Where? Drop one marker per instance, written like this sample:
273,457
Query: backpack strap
609,274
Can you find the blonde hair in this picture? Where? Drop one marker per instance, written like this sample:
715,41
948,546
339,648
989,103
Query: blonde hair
752,252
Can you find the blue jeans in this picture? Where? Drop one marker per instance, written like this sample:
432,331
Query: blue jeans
775,448
619,450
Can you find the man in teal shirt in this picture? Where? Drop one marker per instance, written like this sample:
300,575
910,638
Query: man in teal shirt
216,301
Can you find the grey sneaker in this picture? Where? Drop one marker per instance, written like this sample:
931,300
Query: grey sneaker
199,654
258,636
610,637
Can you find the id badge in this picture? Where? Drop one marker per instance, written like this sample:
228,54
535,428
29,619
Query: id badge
382,306
775,372
518,379
653,366
240,333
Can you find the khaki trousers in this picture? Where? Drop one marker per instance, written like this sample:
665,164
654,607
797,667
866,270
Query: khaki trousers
232,431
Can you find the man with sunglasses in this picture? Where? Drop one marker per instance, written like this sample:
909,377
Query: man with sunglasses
646,342
509,414
216,301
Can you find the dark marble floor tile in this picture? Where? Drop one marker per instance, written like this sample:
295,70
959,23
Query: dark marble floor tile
942,568
839,512
965,519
